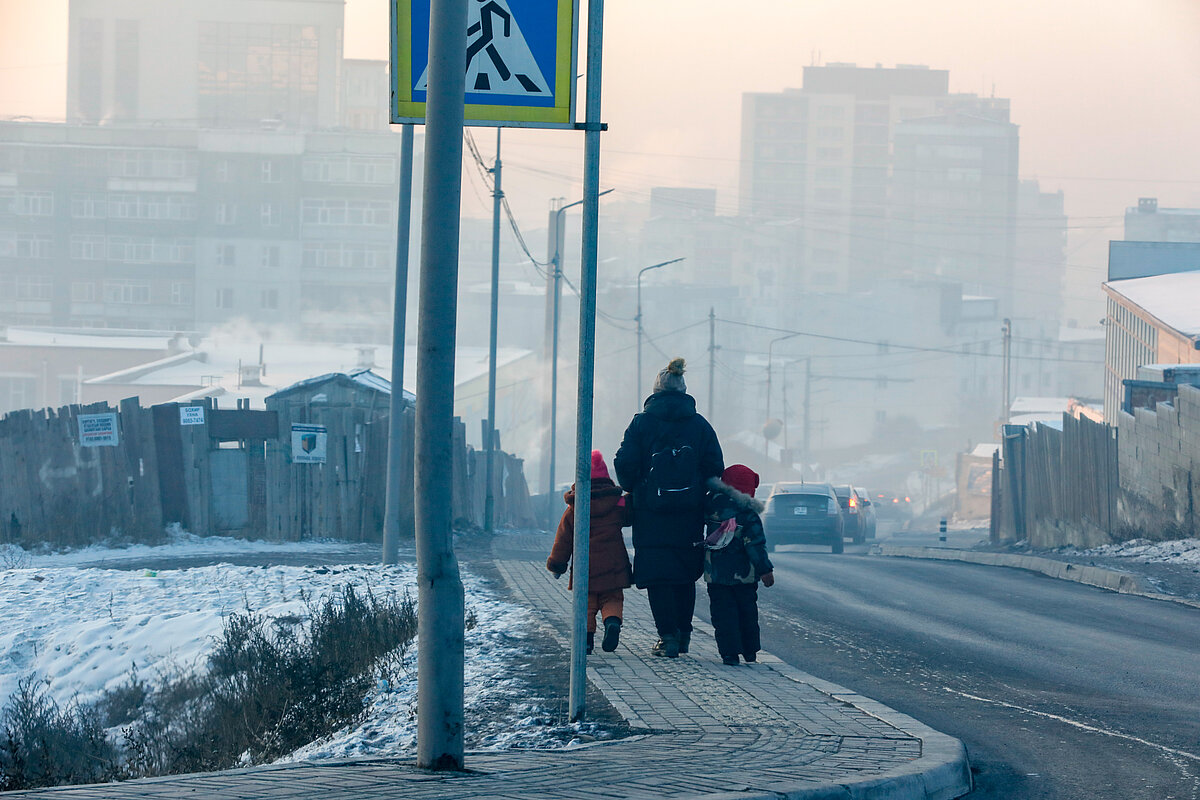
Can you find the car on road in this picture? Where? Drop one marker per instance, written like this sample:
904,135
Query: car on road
859,520
893,506
866,511
803,513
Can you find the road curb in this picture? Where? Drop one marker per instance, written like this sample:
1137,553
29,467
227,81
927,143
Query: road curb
1110,579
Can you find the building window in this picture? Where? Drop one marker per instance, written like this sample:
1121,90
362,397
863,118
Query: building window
253,72
271,215
33,287
349,169
269,299
270,255
127,292
16,391
224,298
223,170
226,255
345,255
346,212
88,248
33,204
181,293
226,213
89,206
269,171
27,246
68,390
83,292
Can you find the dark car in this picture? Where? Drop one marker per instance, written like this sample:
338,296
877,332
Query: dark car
866,512
803,513
855,525
890,505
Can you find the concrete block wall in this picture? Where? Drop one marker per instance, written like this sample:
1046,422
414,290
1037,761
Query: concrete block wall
1159,462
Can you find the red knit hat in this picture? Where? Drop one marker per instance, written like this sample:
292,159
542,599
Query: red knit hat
741,478
599,468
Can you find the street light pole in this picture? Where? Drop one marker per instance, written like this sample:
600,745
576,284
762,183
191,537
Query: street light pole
556,266
641,272
770,347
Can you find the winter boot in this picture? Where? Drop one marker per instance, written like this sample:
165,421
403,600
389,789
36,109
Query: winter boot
612,634
730,661
591,642
667,646
685,638
750,657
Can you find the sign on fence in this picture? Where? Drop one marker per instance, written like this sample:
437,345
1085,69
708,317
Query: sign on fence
308,444
191,415
98,430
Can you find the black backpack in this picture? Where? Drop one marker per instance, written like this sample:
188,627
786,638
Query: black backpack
673,482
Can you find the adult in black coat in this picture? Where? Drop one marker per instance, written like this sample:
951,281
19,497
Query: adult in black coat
668,558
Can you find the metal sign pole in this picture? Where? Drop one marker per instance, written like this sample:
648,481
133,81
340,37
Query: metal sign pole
440,593
587,355
395,468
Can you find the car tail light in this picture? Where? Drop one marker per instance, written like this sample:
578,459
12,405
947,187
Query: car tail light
832,508
907,500
853,505
895,499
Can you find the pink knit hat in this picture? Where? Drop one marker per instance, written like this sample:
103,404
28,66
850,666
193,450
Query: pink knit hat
599,468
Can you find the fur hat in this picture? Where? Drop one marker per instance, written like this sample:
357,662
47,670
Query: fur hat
742,478
599,468
670,379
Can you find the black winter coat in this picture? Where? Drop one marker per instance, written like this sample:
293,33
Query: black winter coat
744,559
666,549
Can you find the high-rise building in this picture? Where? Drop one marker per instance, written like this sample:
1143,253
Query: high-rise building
223,63
1147,222
882,172
206,173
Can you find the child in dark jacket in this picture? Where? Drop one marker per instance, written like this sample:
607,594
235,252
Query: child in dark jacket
609,571
735,560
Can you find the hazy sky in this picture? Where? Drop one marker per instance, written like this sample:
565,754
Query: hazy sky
1106,91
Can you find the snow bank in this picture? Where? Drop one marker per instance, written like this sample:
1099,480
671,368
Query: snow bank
1179,551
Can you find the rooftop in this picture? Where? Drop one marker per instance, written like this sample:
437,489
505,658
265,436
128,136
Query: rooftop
1172,299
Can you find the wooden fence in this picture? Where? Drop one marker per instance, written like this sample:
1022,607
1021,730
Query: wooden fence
1058,487
230,474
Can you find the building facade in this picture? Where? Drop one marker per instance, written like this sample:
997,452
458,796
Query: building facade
1151,320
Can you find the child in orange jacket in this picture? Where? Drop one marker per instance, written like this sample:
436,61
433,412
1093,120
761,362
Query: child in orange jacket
609,570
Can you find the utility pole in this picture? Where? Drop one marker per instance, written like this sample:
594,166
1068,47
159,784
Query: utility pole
1006,407
396,469
770,348
712,358
587,354
440,601
489,499
807,399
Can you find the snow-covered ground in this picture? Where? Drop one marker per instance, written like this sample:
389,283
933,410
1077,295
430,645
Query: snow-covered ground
83,629
1180,551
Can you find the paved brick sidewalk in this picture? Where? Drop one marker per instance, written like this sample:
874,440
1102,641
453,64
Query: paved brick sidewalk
704,730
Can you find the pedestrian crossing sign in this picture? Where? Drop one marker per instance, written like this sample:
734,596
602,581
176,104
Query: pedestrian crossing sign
520,64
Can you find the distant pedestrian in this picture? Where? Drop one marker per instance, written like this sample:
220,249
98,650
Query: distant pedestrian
609,571
667,454
735,560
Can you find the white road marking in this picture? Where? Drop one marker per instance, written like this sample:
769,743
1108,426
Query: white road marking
1076,724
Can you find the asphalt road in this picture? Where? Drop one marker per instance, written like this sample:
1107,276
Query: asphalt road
1058,690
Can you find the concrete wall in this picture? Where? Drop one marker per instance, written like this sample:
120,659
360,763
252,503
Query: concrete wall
1159,454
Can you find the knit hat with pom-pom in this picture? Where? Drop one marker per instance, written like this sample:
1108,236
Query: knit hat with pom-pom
670,379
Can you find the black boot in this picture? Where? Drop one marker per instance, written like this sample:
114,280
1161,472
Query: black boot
667,646
591,642
685,639
612,634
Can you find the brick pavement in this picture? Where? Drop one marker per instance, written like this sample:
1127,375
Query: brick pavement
703,730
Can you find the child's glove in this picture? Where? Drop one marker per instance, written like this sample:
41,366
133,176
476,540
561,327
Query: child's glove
768,579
